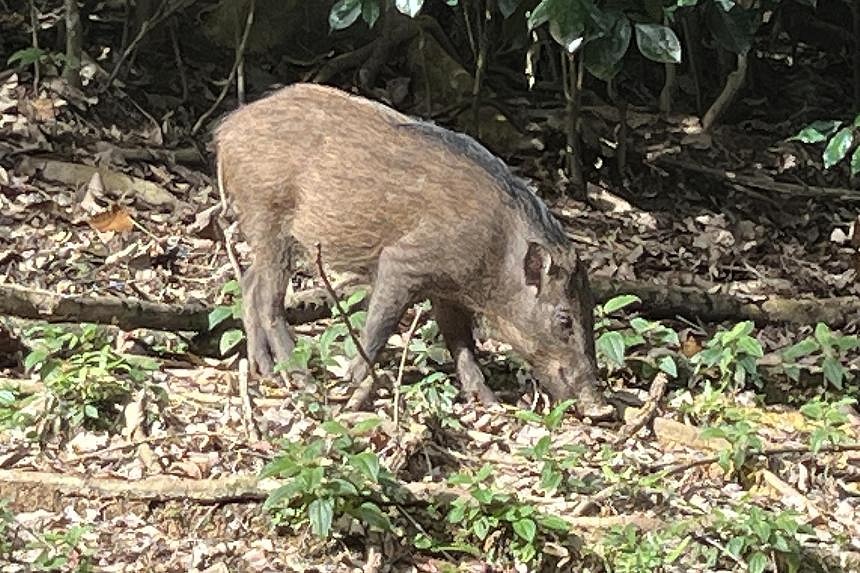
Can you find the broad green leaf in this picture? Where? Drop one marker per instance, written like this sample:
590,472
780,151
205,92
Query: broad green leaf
800,349
526,529
553,419
370,514
817,131
334,427
229,339
320,513
738,330
667,365
814,410
554,522
344,13
833,371
837,148
366,426
409,7
567,25
604,56
823,335
91,411
750,346
757,562
485,472
218,315
355,297
508,7
619,302
284,494
528,416
611,345
26,56
370,11
734,29
231,287
549,478
343,488
658,43
367,463
541,13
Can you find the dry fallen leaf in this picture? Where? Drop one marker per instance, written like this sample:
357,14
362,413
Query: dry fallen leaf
117,219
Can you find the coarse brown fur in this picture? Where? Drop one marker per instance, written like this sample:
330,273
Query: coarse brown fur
424,212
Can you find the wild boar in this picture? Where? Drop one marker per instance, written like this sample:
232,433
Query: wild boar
423,212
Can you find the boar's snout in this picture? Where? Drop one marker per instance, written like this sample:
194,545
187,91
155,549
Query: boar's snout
580,384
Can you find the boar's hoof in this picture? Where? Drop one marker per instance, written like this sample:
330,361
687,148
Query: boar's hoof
481,394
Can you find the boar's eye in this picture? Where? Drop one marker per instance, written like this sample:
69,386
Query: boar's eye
564,319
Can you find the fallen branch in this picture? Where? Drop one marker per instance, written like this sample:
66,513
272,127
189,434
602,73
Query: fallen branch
658,301
762,181
130,313
248,489
672,468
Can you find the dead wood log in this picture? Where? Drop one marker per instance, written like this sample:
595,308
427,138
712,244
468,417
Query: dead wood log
129,313
762,181
245,489
664,301
658,301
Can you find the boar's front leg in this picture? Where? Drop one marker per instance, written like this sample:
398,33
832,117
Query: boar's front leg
455,323
264,285
392,292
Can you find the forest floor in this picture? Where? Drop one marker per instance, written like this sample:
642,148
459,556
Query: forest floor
169,480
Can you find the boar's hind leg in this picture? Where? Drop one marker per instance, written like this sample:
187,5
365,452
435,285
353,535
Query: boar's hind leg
455,324
264,286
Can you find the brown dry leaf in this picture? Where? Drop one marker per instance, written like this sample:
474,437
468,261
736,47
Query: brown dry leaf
117,219
690,346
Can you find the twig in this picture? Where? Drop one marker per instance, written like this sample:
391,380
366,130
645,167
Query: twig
343,315
34,35
247,407
766,453
177,55
734,83
409,334
240,54
655,395
145,28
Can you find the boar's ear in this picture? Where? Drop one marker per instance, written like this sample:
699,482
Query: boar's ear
536,264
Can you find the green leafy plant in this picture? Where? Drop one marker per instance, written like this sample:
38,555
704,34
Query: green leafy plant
29,56
84,376
518,529
557,464
328,478
825,350
649,339
12,414
627,549
62,550
760,537
433,396
334,347
840,139
743,443
732,354
830,420
344,13
231,292
6,521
